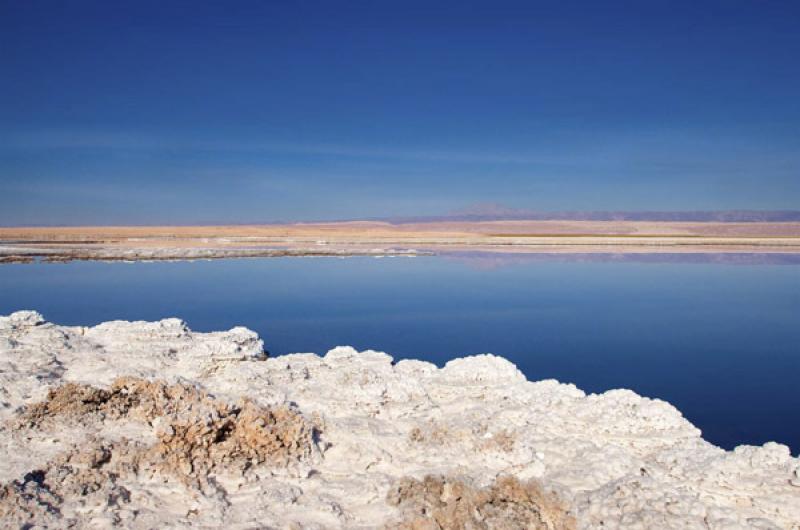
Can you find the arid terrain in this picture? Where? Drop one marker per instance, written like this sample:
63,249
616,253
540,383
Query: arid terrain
152,425
383,238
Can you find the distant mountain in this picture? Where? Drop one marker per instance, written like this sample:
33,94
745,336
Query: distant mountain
496,212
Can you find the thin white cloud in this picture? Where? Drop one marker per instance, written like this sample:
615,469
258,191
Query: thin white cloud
98,140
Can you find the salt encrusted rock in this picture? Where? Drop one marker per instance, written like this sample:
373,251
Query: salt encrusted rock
190,434
484,370
21,320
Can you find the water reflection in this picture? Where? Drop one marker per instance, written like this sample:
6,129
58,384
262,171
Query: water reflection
494,260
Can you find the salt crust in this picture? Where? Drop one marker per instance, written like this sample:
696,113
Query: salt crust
361,430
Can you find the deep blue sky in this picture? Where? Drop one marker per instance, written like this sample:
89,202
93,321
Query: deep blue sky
240,112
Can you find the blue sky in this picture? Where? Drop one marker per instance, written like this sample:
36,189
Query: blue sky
228,112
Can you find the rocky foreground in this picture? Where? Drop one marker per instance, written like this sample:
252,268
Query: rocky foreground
151,425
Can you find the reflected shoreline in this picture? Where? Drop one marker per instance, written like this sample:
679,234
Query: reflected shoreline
492,260
484,258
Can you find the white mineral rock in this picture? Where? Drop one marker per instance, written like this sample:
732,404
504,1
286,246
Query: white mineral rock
614,460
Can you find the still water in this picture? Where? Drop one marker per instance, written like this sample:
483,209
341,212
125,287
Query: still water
720,341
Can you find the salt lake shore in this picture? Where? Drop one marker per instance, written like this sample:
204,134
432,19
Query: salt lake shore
151,425
373,238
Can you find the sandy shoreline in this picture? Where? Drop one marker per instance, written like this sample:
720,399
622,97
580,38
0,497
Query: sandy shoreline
149,424
374,238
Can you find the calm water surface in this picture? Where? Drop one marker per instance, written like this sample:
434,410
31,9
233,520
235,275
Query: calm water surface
719,341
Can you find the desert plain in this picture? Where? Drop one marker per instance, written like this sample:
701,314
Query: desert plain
385,238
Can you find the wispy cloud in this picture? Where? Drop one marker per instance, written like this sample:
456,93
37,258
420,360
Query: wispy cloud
655,152
49,140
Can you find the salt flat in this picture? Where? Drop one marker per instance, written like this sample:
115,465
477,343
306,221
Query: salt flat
149,424
382,238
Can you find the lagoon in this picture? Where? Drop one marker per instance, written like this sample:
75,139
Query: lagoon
719,339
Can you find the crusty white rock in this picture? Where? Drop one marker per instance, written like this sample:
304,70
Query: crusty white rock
617,460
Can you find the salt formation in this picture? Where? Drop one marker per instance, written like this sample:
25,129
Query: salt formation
149,425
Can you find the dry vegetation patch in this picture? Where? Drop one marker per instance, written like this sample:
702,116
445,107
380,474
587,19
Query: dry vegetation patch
196,433
447,503
197,436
